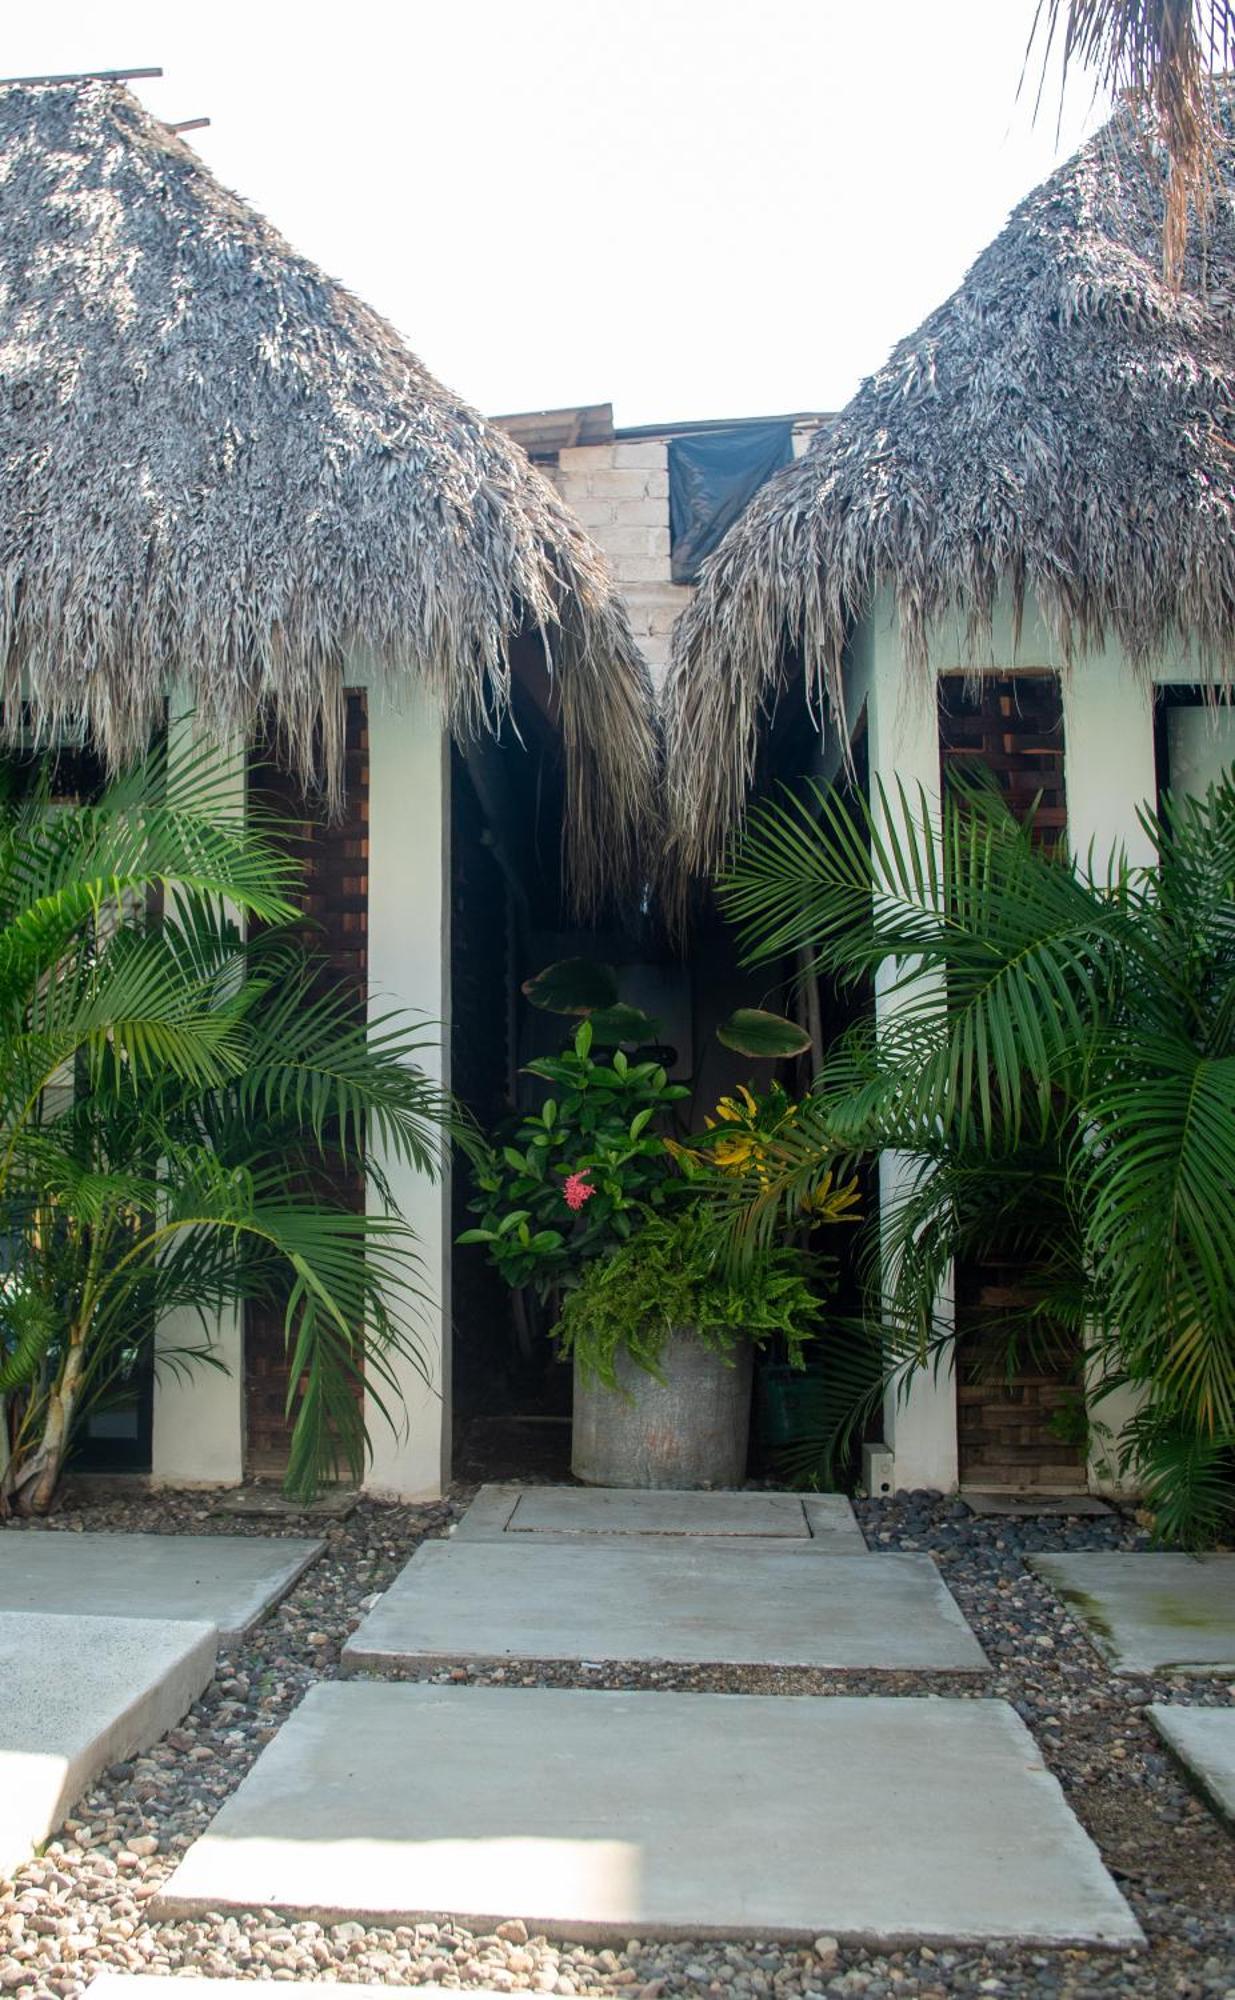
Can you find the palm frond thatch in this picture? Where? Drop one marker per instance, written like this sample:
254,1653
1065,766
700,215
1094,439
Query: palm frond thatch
1061,428
220,470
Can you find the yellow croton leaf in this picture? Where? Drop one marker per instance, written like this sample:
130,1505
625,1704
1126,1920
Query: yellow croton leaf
832,1204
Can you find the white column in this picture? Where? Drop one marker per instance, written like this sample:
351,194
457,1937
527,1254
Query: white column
409,967
1109,771
198,1416
919,1415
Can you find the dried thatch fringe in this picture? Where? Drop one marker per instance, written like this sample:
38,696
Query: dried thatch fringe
219,469
1062,428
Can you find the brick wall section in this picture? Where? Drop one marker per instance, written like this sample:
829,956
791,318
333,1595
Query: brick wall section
1014,726
333,864
620,493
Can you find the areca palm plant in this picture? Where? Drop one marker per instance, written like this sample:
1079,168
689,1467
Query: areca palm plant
1055,1067
178,1106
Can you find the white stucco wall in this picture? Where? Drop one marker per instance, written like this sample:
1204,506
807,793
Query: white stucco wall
919,1417
409,967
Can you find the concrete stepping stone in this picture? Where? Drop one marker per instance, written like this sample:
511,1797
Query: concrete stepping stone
693,1601
599,1815
229,1581
77,1694
1150,1612
1203,1739
615,1516
270,1503
1035,1506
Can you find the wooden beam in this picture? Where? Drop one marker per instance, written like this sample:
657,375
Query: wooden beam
86,76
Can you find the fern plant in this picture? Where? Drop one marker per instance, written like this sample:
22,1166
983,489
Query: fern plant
672,1275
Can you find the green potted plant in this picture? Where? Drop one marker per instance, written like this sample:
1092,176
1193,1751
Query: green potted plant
662,1334
587,1205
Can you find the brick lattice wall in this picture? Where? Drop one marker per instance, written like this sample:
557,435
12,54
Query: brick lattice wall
333,862
1014,726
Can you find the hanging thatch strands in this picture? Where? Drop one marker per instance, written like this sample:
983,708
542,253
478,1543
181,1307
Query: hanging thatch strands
1063,428
220,470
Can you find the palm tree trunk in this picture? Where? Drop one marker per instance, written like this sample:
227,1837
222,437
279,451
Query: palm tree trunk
43,1477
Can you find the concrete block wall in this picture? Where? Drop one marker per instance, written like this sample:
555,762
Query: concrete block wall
620,492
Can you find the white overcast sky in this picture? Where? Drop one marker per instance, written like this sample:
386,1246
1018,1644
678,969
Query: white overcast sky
688,208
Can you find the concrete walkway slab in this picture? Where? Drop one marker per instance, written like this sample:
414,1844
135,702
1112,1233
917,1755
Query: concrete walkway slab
1203,1739
602,1815
229,1581
77,1694
691,1601
1150,1612
616,1516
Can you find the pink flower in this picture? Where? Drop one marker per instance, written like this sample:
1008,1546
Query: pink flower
577,1191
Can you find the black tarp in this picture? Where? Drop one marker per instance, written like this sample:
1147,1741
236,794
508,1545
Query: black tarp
713,475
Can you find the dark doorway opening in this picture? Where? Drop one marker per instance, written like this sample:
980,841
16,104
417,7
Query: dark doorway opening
511,917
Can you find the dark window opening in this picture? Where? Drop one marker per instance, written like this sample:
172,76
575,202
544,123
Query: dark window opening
1194,737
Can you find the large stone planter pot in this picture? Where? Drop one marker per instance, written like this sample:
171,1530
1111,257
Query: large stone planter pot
690,1430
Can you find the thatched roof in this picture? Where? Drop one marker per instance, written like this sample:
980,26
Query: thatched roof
218,468
1063,428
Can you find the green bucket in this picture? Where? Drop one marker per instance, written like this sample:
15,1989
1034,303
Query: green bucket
788,1404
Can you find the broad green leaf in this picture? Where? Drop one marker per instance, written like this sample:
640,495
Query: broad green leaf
751,1031
573,986
623,1024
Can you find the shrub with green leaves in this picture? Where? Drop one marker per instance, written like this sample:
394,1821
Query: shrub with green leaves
1057,1076
674,1273
574,1178
174,1102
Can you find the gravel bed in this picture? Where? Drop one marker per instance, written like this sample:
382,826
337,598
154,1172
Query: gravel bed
81,1907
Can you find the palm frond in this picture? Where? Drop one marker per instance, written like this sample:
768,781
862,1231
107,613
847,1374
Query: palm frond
1162,55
